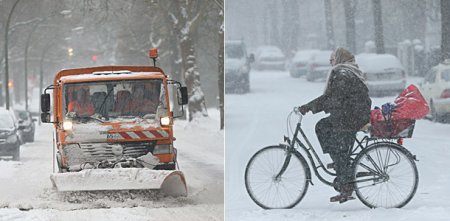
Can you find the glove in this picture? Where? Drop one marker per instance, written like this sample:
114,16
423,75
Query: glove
304,109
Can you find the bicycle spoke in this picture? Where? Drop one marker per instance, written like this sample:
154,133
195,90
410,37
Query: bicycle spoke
268,192
397,181
369,169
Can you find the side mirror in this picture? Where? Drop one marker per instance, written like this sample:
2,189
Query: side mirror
45,117
251,58
45,103
184,96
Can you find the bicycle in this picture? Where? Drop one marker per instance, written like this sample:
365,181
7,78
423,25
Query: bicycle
384,173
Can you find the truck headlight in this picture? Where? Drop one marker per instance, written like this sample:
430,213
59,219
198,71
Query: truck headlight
162,149
165,121
67,125
11,139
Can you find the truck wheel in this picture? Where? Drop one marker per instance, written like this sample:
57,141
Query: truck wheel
16,155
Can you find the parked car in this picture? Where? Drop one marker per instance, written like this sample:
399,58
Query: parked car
9,135
237,67
26,125
384,73
299,63
435,89
269,58
319,66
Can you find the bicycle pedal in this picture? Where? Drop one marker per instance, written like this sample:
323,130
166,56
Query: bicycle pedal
363,174
330,166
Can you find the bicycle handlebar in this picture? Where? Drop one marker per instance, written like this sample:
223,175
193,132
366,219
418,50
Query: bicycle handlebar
297,112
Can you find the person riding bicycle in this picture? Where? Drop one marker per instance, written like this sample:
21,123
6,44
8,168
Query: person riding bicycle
347,100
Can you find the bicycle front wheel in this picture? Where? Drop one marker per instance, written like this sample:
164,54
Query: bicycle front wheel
269,191
385,176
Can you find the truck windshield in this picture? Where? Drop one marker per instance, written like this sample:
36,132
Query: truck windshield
114,100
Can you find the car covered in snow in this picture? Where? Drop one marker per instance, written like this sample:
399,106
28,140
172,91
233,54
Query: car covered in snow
436,90
9,135
319,66
384,73
237,67
299,63
269,57
26,125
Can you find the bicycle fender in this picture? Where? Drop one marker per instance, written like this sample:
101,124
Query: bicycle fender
303,160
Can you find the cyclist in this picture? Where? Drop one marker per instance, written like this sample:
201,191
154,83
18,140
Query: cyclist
347,101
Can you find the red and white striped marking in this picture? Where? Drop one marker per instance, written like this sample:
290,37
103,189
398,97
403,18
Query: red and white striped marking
129,135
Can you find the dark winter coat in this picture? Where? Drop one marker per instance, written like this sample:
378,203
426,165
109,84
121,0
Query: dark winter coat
346,98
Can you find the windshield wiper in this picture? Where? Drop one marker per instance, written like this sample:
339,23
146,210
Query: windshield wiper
104,101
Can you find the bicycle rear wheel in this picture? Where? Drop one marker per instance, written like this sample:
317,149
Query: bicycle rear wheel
385,176
271,193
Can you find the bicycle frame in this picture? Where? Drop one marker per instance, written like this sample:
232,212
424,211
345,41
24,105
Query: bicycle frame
310,151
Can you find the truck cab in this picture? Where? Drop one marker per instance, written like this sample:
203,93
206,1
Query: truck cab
114,116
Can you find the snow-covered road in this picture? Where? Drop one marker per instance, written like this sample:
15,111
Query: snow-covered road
258,119
26,192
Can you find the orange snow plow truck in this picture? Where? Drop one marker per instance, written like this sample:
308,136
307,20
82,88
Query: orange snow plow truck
113,129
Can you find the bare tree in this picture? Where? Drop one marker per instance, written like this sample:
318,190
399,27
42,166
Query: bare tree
274,26
350,31
185,16
378,25
221,81
290,26
331,43
445,29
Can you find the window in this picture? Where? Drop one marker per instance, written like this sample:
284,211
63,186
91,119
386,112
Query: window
114,99
445,75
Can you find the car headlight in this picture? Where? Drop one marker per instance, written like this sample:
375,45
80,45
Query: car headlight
11,139
67,125
165,121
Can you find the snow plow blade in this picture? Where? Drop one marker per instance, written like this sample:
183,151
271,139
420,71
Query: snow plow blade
170,182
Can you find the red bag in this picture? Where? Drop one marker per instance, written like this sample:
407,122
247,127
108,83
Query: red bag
409,106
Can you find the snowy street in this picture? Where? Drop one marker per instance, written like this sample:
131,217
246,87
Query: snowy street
26,192
258,119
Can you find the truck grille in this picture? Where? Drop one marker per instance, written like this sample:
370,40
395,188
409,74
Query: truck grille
77,154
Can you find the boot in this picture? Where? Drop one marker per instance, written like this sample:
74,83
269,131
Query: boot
345,195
